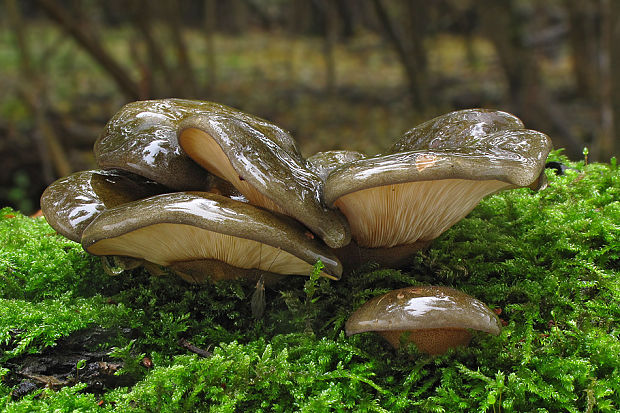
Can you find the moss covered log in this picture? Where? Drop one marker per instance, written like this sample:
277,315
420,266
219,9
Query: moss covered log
548,263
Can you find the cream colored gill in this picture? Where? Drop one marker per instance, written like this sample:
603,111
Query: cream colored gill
204,150
399,214
166,243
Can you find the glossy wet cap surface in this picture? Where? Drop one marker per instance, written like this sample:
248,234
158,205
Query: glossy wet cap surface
428,307
454,129
322,163
266,161
142,138
71,203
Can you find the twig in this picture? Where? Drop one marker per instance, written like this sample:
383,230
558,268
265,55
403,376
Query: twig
197,350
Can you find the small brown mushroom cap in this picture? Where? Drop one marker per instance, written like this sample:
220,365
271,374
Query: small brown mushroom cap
71,203
430,314
438,178
263,163
184,227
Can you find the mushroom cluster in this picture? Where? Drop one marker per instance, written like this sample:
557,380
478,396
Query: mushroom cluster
213,193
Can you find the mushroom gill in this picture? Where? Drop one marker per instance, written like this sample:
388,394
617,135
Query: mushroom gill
182,227
172,242
382,220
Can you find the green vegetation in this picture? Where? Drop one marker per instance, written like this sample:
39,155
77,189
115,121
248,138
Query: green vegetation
549,261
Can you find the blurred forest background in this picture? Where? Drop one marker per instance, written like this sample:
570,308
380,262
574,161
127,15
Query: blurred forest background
351,74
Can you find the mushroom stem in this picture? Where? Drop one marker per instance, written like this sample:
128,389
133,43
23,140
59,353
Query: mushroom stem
433,341
202,271
352,256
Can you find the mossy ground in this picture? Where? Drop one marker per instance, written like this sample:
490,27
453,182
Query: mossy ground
548,261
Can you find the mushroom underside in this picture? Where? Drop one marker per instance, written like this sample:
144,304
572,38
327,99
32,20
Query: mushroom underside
353,256
167,243
405,213
201,271
431,341
205,151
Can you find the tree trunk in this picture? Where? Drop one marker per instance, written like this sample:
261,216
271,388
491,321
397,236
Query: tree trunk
504,28
185,83
614,13
329,40
160,73
410,48
31,90
604,146
583,38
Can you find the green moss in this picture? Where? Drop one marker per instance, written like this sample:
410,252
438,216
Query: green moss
68,399
549,261
36,263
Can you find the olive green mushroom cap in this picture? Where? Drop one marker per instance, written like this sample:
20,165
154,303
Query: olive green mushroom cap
322,163
183,227
142,138
438,174
421,308
456,129
472,144
71,203
264,164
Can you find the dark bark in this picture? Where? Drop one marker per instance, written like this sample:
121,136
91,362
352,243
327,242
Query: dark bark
614,13
583,40
604,145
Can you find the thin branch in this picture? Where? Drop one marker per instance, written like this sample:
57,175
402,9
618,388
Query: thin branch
210,11
197,350
31,91
56,12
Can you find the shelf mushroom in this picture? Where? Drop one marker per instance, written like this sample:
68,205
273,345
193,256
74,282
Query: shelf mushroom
71,203
263,162
433,177
203,236
434,318
142,138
